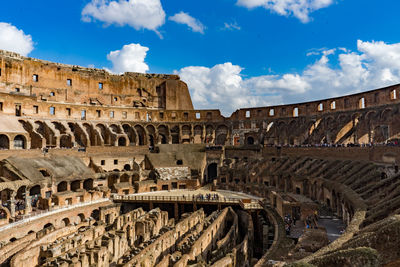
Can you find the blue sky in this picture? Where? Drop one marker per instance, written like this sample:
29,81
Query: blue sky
232,53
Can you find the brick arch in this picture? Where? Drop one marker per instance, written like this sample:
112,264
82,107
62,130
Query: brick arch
4,141
130,133
163,134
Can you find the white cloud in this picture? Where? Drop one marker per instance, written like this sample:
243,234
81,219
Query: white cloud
129,59
231,26
219,87
139,14
298,8
374,65
192,23
15,40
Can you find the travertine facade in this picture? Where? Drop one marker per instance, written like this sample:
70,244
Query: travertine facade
107,170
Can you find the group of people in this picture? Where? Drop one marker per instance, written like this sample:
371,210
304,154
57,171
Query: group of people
388,143
207,197
289,221
310,222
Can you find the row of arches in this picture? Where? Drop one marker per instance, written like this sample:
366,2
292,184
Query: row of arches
70,134
19,142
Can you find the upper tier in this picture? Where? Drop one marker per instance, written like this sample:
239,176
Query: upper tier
56,82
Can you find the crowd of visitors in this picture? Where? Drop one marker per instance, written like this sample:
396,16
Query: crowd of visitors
207,197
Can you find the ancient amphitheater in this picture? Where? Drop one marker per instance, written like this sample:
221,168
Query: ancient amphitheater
120,170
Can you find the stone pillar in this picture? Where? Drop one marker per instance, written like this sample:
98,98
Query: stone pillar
151,206
204,134
12,204
180,134
28,202
176,211
192,134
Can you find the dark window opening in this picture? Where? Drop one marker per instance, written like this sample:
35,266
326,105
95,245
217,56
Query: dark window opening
115,161
18,112
35,109
68,111
103,162
179,162
45,173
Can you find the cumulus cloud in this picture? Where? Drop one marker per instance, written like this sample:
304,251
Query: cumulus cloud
139,14
373,65
129,59
184,18
15,40
300,9
220,87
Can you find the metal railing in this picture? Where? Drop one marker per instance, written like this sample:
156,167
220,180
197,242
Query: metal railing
244,203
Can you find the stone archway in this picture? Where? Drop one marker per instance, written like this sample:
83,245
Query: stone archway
212,172
4,142
20,142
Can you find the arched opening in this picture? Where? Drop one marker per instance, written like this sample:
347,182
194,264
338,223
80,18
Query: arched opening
127,167
141,135
220,140
250,140
163,139
81,217
62,187
151,140
221,133
212,172
175,135
19,142
139,231
65,141
45,173
121,141
66,222
163,134
75,185
198,133
186,134
88,184
35,191
48,226
95,215
4,142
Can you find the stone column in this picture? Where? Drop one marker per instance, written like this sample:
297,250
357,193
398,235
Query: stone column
12,204
176,211
28,202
